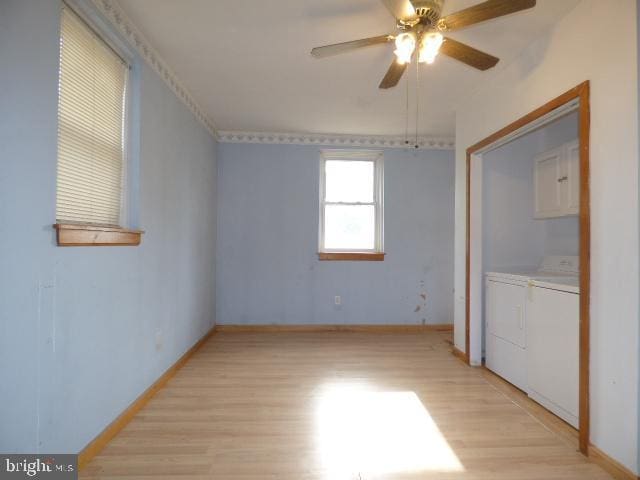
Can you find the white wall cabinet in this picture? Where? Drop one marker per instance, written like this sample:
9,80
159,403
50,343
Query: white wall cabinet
557,182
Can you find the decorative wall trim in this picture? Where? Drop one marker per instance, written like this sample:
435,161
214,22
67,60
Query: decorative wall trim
112,11
424,143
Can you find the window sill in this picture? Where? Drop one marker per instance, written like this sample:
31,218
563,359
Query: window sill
351,256
78,235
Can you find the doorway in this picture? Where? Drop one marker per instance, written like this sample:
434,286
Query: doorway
575,99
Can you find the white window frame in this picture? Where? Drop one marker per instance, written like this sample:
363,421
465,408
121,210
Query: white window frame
377,158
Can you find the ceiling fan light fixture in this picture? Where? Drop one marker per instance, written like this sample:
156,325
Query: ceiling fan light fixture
405,46
430,47
419,23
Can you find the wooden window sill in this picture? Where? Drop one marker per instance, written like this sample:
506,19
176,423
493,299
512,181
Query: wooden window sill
351,256
77,235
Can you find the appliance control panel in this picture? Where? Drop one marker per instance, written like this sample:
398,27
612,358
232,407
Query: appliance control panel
563,264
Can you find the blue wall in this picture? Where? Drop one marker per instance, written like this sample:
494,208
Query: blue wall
268,270
78,326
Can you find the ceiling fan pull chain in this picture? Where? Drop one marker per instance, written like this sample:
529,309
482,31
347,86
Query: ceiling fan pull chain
406,111
417,100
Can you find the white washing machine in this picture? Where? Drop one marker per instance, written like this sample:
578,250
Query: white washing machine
507,305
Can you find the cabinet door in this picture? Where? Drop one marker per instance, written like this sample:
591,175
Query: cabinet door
548,184
505,311
571,185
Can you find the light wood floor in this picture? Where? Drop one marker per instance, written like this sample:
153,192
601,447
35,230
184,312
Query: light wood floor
334,406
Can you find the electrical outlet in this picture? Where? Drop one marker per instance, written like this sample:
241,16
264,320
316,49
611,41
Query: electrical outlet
338,300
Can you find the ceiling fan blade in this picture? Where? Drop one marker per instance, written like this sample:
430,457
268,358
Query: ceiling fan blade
469,55
483,12
338,48
394,74
401,9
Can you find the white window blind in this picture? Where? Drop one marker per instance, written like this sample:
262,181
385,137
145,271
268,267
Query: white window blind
351,211
91,126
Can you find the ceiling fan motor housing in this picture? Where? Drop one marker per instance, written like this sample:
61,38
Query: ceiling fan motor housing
428,11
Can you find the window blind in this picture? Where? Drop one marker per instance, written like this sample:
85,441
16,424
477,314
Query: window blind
91,126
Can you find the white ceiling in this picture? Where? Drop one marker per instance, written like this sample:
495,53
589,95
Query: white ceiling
247,62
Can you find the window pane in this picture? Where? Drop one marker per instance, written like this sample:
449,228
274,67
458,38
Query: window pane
349,181
349,227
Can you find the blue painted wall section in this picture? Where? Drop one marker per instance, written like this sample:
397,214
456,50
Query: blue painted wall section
84,331
268,270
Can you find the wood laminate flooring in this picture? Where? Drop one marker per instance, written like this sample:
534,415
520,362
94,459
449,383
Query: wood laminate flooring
333,406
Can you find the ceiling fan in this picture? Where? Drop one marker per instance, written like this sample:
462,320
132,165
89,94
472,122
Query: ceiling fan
420,24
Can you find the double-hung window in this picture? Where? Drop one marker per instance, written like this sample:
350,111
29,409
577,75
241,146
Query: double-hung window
92,111
92,137
351,205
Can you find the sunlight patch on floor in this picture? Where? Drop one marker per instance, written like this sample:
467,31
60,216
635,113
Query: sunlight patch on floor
366,432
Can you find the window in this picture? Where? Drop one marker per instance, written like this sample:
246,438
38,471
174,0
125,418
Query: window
351,208
91,127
